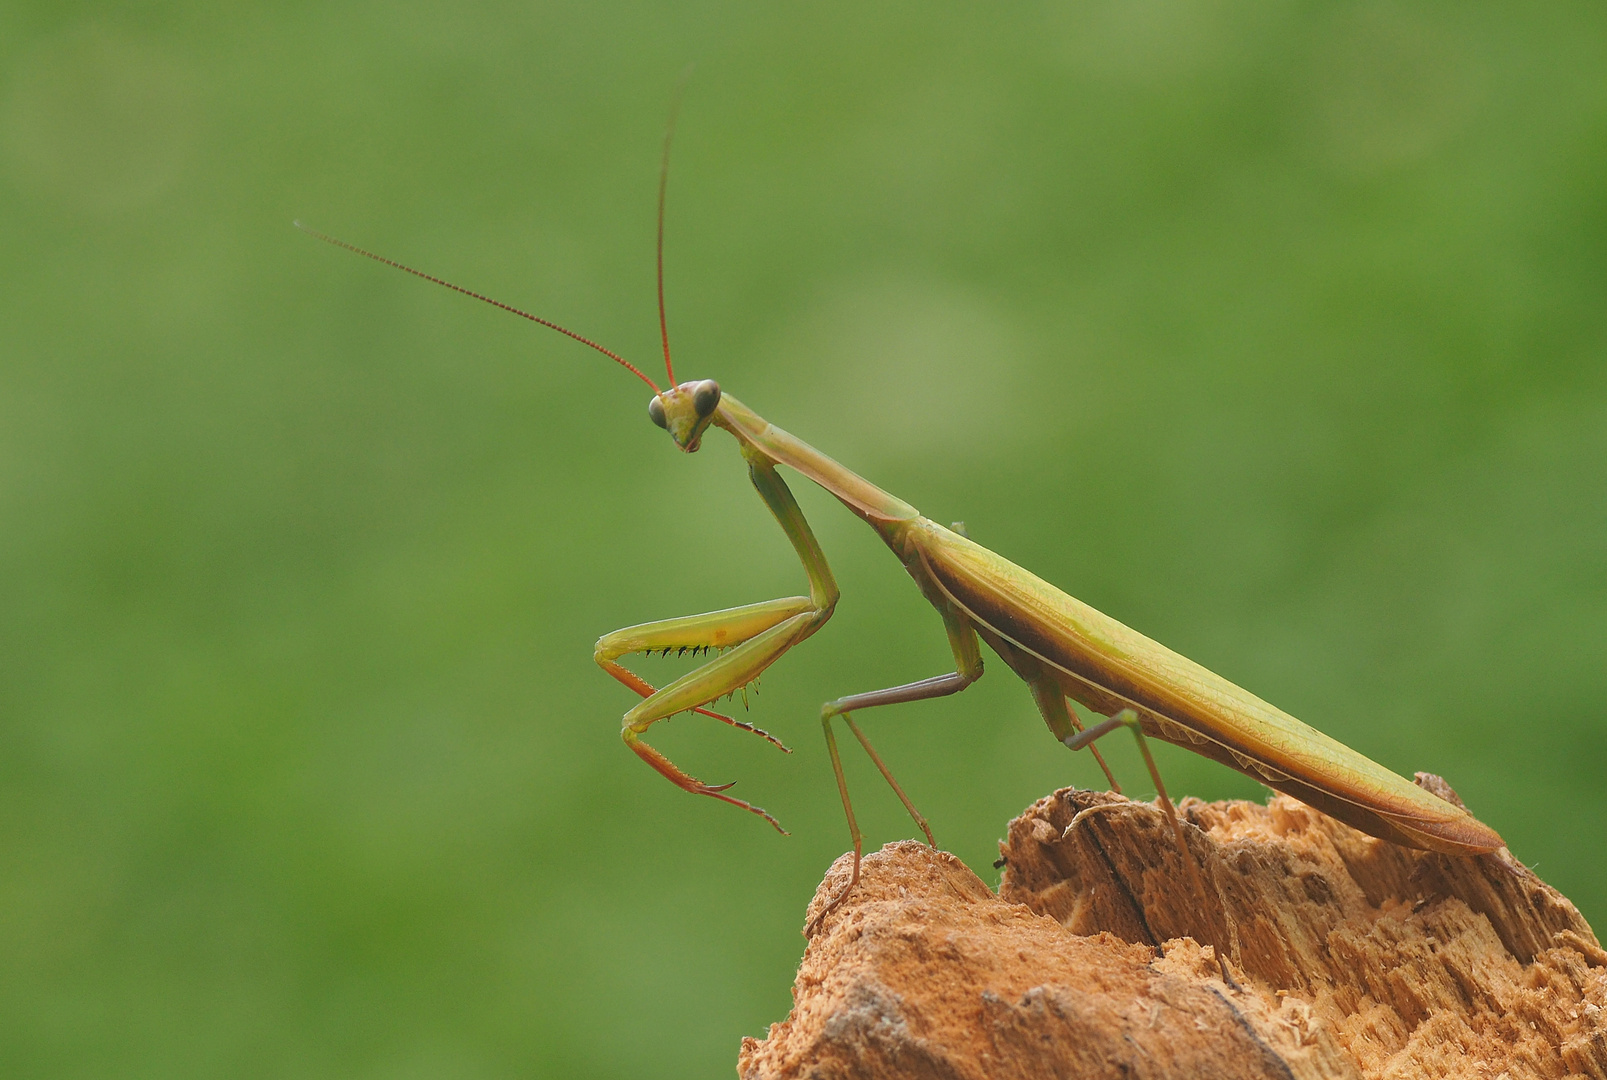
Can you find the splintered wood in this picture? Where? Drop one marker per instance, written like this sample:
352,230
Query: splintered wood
1313,951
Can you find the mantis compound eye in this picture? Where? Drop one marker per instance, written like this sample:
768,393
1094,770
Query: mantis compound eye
706,397
655,410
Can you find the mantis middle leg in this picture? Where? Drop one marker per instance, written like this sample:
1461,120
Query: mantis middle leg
967,670
750,638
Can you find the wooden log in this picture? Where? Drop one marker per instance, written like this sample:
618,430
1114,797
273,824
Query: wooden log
1314,951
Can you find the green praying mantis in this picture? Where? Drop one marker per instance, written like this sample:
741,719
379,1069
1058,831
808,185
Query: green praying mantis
1058,645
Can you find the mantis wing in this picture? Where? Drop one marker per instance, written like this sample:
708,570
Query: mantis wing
1108,666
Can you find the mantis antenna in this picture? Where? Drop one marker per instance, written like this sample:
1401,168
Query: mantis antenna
632,368
663,321
663,184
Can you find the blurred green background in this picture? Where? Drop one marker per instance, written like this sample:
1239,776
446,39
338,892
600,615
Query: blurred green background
1276,331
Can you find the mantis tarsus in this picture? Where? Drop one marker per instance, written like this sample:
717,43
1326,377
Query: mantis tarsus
1060,646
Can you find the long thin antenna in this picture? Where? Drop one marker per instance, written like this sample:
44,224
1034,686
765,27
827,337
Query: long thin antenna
663,183
486,299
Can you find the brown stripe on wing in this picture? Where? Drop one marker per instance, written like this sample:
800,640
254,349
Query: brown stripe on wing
1095,674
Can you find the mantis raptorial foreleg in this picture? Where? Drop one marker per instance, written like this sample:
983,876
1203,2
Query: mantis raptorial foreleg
695,634
753,637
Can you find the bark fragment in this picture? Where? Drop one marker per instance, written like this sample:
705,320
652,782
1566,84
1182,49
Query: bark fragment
1317,951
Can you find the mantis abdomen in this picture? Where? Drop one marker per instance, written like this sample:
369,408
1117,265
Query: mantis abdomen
1107,666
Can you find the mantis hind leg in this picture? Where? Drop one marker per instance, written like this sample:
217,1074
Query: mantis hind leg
1051,701
1048,695
1128,719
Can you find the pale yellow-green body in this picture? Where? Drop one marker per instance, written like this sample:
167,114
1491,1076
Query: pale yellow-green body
1108,666
1059,646
1045,634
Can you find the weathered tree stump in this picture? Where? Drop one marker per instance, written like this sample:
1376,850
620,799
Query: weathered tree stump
1313,951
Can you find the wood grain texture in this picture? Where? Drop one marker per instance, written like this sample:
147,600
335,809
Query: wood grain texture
1317,951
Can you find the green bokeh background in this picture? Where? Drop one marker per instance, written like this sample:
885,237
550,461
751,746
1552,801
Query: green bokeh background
1275,330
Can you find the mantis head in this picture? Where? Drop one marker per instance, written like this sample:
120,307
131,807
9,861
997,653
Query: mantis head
685,411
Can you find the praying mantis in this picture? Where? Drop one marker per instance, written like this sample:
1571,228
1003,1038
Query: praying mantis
1059,646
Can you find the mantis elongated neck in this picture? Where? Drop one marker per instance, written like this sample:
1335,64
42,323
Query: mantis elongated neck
760,436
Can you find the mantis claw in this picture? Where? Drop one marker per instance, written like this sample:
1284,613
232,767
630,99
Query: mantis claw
672,772
842,894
